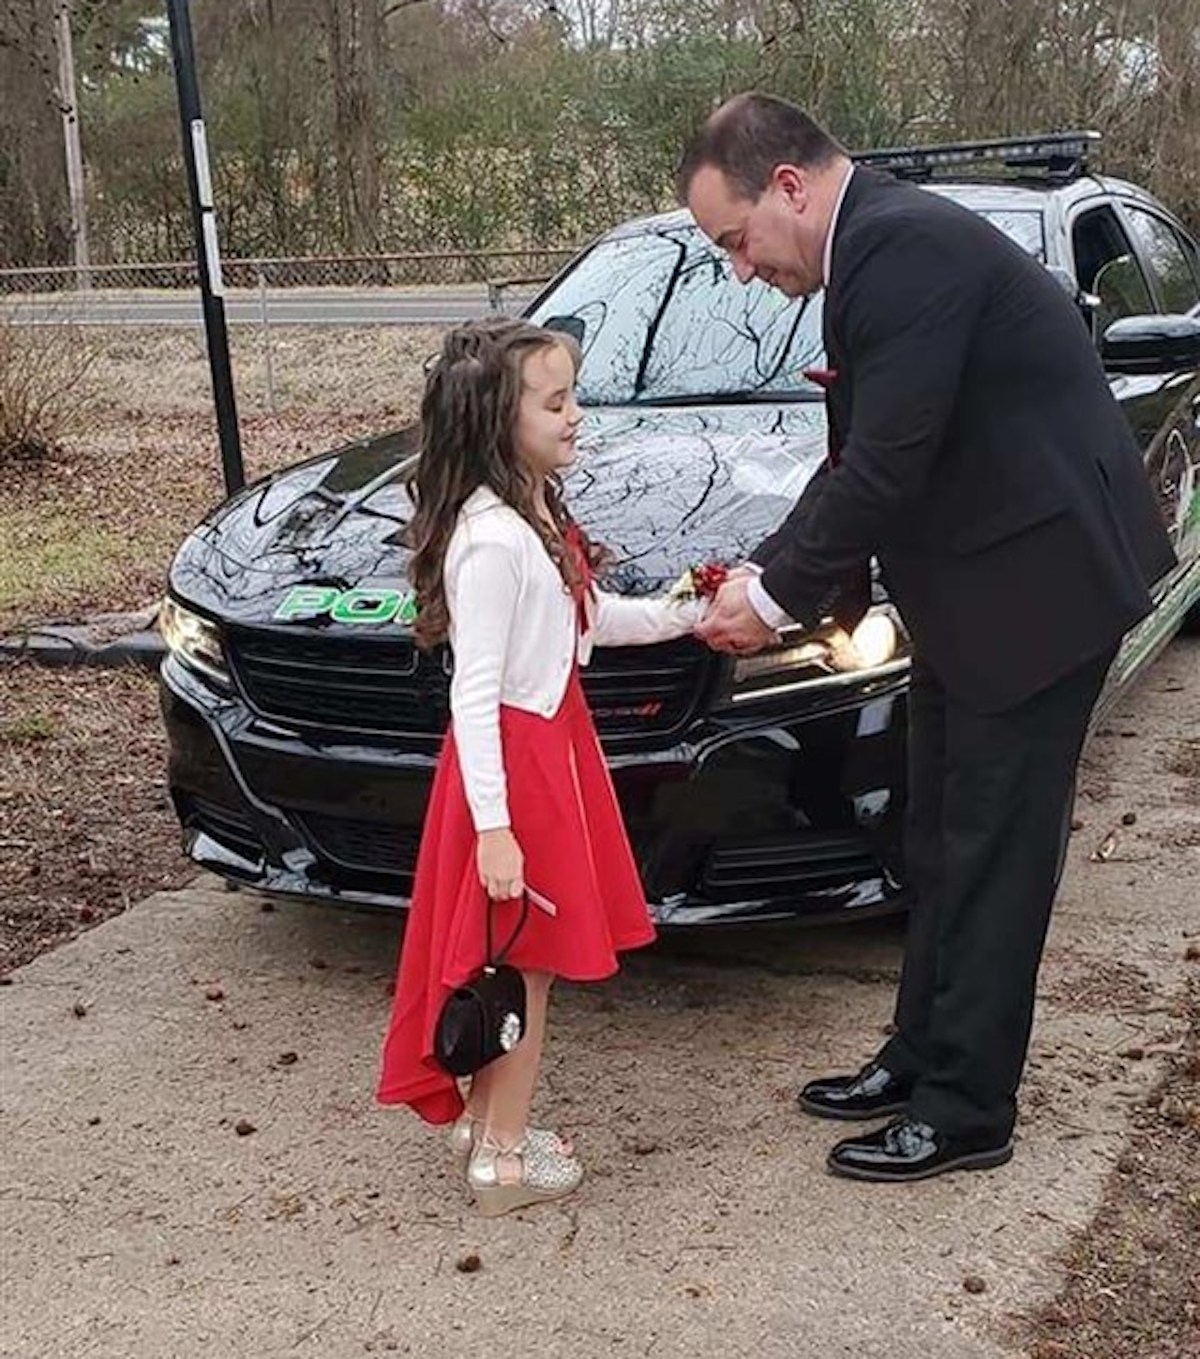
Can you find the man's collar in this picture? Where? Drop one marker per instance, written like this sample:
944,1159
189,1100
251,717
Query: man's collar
827,256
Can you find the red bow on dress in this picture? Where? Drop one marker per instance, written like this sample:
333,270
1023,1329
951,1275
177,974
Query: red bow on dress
585,584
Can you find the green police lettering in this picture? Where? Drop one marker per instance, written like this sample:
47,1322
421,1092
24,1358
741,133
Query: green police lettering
306,601
348,606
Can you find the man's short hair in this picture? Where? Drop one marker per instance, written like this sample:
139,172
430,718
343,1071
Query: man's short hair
748,136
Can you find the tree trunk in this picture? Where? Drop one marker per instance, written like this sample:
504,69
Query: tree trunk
354,33
1176,173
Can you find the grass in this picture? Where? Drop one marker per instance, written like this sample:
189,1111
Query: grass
93,528
52,557
28,729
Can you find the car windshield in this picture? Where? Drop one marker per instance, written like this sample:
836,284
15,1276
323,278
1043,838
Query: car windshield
663,321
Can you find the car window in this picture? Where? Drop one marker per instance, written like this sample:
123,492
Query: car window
664,320
1023,225
1106,266
1172,263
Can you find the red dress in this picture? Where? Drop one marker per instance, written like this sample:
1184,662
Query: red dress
565,818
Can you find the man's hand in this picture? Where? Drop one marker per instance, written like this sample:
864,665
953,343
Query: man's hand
731,623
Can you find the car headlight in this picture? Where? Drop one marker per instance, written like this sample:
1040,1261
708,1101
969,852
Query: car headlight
826,656
195,640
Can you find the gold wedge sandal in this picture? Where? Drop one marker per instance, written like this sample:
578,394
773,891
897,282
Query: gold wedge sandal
465,1130
545,1175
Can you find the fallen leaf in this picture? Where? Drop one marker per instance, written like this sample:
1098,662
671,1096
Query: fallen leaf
1105,849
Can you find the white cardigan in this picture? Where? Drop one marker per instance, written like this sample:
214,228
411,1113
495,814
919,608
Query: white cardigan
514,635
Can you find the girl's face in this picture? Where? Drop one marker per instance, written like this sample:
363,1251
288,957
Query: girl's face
548,415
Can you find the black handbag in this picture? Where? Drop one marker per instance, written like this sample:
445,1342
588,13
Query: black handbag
485,1017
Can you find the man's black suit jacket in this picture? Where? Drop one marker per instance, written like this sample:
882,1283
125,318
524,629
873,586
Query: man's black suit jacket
983,458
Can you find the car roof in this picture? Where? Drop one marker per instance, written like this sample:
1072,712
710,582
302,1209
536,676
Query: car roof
1029,193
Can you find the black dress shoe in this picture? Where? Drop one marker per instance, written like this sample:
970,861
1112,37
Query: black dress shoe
910,1150
873,1092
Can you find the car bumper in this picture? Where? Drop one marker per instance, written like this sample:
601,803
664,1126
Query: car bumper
793,815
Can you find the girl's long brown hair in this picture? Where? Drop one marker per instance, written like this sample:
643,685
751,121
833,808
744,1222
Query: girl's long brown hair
468,422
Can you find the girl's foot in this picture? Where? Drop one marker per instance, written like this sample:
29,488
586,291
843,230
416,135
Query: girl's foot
505,1178
465,1129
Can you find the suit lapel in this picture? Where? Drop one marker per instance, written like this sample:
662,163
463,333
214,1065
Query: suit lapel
864,185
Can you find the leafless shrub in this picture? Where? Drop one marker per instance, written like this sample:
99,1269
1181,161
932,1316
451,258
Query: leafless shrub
45,387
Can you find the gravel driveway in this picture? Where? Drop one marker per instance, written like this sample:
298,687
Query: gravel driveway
194,1165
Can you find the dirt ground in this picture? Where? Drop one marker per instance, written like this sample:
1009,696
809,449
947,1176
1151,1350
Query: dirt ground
86,827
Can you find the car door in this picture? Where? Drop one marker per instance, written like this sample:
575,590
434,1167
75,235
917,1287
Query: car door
1172,265
1161,408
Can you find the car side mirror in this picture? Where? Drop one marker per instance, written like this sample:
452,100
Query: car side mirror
1151,344
574,326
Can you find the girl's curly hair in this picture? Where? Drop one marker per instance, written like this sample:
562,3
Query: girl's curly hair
468,422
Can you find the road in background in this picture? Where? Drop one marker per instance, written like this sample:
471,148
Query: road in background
276,306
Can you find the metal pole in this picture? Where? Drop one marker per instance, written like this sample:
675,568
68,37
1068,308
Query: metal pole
70,116
265,328
208,257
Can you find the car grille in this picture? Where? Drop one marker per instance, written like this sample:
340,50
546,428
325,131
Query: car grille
391,687
338,683
226,825
363,846
778,865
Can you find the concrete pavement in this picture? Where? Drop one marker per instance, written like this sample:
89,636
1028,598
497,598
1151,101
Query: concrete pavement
138,1222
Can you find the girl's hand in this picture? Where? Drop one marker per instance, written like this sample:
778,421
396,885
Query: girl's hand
501,864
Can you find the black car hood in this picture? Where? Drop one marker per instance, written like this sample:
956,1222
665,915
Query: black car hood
661,487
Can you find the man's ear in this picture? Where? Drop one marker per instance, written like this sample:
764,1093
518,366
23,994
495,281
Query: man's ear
792,183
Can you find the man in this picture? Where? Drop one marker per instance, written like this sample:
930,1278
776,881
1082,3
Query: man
975,450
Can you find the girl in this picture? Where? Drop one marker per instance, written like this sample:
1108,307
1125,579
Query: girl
521,799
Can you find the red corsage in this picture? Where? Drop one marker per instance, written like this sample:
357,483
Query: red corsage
823,377
699,582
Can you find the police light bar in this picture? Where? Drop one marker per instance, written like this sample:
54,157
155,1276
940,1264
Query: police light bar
1062,154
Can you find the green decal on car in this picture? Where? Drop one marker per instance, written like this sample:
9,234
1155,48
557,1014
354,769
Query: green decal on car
347,606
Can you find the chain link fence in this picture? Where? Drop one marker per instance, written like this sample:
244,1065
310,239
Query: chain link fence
321,334
415,269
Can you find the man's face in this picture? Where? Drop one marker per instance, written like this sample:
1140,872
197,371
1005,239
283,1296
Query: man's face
771,237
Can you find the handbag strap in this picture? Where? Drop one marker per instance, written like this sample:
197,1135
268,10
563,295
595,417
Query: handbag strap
497,959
